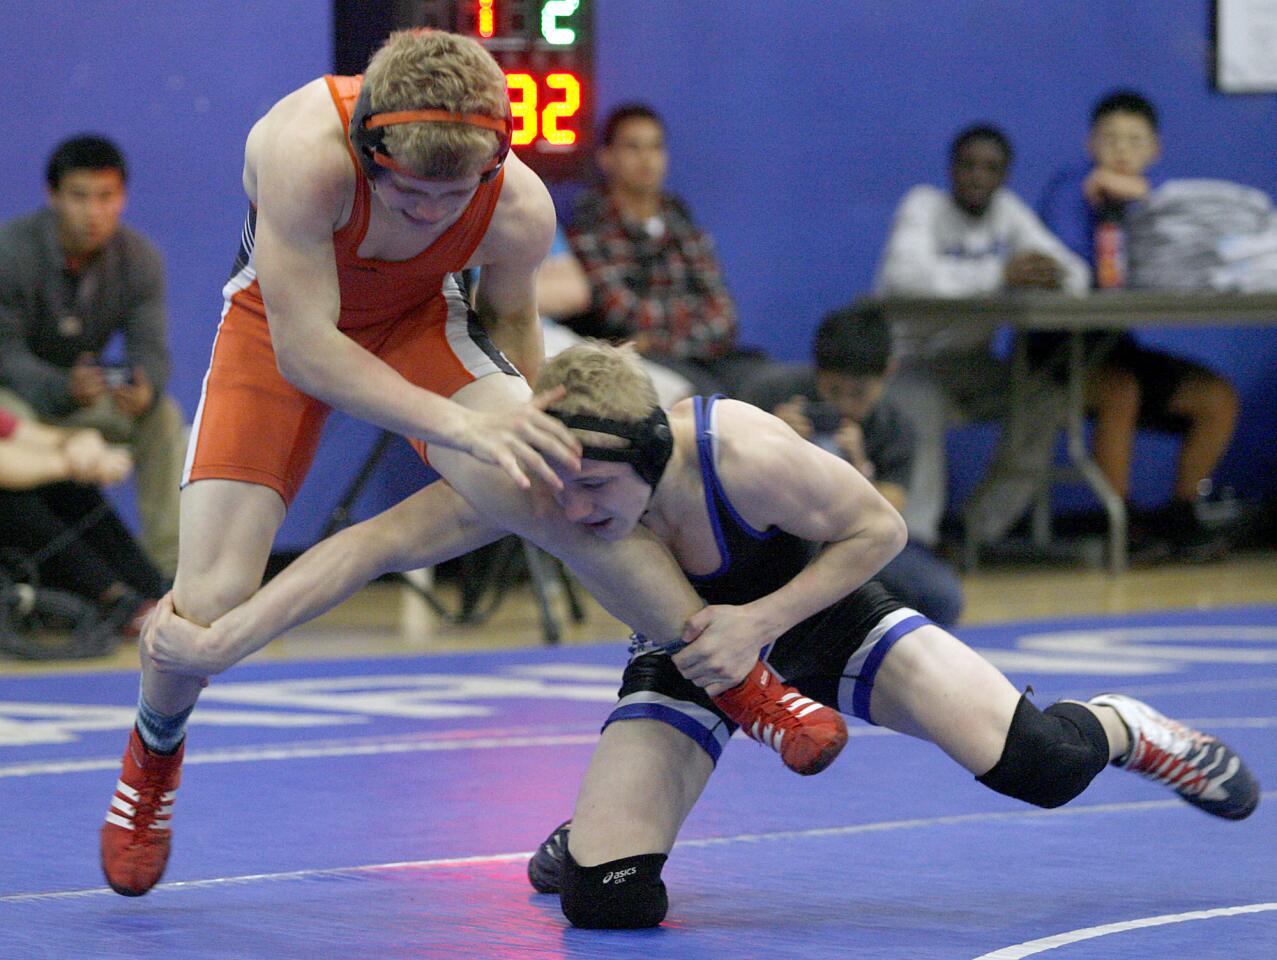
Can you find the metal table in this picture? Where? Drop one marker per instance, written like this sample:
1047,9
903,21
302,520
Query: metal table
1101,310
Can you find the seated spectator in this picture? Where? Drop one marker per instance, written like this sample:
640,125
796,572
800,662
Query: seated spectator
976,239
654,278
839,404
59,527
1134,386
563,290
71,279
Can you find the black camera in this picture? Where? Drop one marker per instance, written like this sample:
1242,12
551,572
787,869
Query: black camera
824,417
117,375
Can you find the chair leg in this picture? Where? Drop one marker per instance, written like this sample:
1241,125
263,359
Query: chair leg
1041,518
970,542
544,586
575,607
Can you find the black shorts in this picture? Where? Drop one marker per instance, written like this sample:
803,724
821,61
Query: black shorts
831,657
1158,374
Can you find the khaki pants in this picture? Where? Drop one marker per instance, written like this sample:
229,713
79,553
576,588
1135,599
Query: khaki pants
157,441
934,393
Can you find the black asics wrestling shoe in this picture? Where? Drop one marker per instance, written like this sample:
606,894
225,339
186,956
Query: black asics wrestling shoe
546,864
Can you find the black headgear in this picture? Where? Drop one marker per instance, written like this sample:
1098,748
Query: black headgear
367,134
651,441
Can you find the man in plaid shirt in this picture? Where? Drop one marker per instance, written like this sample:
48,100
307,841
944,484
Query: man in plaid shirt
653,274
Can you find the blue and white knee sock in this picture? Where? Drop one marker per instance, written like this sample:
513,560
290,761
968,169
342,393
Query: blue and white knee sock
161,734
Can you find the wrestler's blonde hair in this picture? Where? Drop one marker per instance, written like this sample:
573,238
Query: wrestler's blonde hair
431,69
601,380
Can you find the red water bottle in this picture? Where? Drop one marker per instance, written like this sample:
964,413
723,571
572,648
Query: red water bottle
1110,249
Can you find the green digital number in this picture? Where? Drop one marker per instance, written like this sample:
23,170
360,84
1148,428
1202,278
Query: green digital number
551,14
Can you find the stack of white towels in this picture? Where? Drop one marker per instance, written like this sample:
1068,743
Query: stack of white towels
1203,235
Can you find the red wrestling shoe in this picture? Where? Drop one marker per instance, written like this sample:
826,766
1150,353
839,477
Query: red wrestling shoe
808,735
136,835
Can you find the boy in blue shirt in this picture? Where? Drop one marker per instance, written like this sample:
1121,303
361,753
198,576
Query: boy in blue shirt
1136,387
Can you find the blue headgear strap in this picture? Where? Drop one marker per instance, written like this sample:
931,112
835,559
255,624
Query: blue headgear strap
651,441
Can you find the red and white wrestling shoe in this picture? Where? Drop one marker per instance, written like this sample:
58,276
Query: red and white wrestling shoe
807,734
136,836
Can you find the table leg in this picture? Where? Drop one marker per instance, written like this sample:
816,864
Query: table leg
1080,456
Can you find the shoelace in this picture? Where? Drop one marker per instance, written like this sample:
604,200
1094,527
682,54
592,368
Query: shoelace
150,807
556,845
777,717
155,797
1169,767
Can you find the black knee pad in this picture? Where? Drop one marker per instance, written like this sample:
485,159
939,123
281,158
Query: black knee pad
1050,756
623,894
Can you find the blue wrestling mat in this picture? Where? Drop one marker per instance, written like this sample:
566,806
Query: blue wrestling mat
386,808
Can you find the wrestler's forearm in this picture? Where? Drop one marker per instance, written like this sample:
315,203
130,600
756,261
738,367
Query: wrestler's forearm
428,528
841,567
23,468
314,583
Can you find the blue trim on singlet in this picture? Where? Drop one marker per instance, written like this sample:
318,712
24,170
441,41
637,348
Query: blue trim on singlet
865,682
675,718
714,492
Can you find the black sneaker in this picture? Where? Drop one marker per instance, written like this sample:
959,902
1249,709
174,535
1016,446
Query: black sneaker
1146,549
546,864
1202,545
1202,769
1188,539
1148,542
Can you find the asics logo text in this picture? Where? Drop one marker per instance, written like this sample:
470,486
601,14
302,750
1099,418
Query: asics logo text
619,876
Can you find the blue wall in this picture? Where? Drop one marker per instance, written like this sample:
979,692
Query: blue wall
178,85
799,124
795,126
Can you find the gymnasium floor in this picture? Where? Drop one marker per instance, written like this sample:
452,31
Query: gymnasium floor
352,798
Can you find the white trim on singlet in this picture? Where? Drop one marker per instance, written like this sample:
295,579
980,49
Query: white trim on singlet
471,356
710,721
856,662
240,281
711,431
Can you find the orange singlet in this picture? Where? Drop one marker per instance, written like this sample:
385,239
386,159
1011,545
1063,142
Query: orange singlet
253,425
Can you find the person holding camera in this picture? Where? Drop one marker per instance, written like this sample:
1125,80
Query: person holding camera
839,405
72,280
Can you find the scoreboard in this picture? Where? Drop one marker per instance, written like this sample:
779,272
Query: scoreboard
545,48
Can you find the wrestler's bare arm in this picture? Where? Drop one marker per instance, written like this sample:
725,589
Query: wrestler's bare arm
428,528
298,167
776,478
518,239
